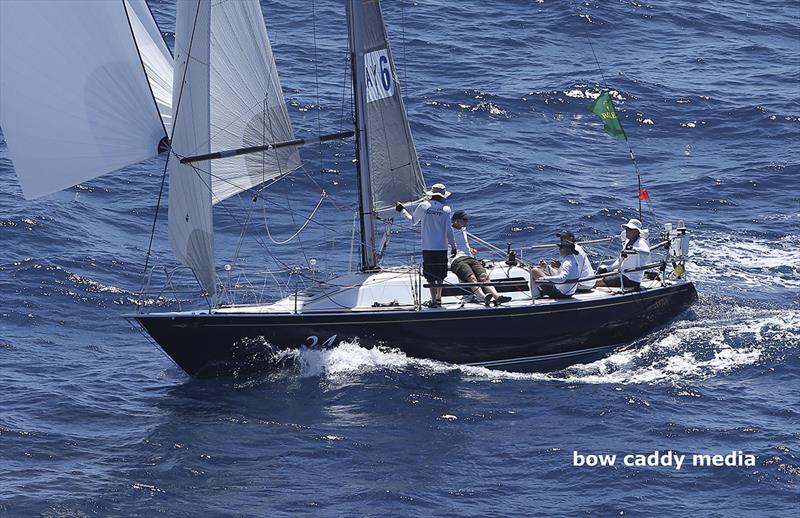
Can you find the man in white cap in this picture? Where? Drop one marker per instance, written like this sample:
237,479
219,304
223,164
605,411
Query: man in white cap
635,254
436,235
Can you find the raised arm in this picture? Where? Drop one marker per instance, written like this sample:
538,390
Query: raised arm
419,213
402,210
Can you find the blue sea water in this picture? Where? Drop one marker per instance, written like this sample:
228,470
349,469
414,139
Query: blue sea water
95,421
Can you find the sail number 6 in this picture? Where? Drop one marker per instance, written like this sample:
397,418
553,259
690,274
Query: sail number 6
379,78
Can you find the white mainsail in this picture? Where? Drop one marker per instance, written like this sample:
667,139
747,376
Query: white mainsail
75,100
393,164
247,104
226,95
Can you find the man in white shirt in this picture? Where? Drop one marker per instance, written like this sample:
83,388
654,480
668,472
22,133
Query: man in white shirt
583,262
466,267
635,254
435,218
563,281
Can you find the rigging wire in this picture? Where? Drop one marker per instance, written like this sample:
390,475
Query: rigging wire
631,154
316,73
271,183
277,160
251,208
265,182
170,152
303,226
236,220
403,38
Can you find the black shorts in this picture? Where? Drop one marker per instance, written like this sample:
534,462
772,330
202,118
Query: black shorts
549,290
465,266
613,282
434,265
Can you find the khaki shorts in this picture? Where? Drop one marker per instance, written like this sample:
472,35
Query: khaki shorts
463,267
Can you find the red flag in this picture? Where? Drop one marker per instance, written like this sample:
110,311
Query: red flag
644,195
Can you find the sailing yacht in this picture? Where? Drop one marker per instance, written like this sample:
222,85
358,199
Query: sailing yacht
218,110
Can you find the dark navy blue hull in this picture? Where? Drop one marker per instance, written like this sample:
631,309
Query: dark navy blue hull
537,337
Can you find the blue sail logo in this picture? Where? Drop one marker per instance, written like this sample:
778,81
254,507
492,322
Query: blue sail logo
379,76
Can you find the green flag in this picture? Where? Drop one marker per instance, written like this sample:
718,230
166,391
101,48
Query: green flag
604,107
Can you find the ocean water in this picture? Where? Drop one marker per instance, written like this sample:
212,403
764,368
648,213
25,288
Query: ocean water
95,421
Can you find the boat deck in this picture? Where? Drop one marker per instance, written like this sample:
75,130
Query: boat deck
400,290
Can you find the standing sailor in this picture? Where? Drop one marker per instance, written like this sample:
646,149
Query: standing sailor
436,234
635,254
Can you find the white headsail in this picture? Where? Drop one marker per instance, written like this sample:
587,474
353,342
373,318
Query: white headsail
191,232
230,97
155,55
75,101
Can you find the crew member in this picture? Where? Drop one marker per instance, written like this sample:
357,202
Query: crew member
467,267
436,234
583,262
564,280
635,254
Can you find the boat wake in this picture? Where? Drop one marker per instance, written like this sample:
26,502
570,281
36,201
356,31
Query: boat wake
760,265
695,350
723,341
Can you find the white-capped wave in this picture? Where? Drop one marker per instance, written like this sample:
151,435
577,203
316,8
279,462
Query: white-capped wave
94,286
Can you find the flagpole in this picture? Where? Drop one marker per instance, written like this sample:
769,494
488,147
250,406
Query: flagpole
605,85
638,174
630,149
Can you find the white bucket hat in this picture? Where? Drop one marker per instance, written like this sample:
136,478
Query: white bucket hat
633,224
438,189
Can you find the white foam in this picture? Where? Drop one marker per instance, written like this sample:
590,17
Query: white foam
696,350
348,358
690,350
732,261
92,285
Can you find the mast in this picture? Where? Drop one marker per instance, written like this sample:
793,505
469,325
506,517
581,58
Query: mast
355,24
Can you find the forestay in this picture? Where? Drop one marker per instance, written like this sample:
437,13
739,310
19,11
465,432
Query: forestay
75,101
393,163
